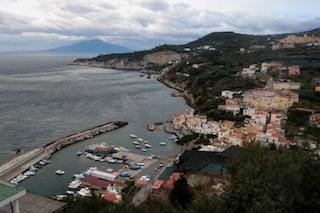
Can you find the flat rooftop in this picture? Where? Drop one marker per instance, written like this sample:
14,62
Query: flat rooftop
31,203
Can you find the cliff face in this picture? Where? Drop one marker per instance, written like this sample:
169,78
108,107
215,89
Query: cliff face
157,58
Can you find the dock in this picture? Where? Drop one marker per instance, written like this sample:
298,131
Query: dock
21,163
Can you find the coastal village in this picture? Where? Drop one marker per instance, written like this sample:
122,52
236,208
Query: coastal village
142,176
265,110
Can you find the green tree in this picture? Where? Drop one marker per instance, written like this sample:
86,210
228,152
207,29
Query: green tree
181,195
274,181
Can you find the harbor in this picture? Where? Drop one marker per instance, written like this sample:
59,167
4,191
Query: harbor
20,164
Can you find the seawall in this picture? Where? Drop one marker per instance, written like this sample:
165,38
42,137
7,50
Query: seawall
22,163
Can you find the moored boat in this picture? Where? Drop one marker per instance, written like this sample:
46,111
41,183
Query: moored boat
133,136
147,145
60,172
163,143
136,142
144,150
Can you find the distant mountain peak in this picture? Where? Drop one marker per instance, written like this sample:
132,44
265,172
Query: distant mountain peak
95,46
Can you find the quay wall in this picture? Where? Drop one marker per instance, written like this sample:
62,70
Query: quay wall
21,163
83,135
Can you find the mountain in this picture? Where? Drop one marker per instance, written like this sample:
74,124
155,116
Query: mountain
95,46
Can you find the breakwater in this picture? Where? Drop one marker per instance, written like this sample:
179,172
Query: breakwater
83,135
20,164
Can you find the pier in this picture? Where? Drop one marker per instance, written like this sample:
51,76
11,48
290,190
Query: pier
20,164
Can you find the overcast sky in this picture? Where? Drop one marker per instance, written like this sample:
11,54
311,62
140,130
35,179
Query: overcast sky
141,24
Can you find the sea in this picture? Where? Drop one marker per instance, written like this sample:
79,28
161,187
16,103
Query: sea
43,98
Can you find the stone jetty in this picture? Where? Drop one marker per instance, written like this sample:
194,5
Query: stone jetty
23,162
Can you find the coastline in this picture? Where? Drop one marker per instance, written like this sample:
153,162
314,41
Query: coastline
188,98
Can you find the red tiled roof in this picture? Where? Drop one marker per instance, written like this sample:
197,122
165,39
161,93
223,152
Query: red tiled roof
169,184
306,110
157,184
110,197
94,181
177,115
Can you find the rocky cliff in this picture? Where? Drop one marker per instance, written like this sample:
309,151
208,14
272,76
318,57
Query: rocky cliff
127,62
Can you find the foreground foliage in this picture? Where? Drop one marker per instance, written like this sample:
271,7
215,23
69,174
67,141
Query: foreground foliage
263,180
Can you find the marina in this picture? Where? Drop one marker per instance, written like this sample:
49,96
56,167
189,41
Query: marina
94,98
41,156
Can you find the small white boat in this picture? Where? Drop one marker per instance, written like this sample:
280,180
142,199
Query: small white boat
133,136
140,139
109,170
60,172
146,141
137,146
163,143
70,192
144,150
147,145
136,142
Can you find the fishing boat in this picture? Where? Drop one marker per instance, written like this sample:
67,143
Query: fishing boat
60,172
144,150
147,145
140,139
137,146
136,142
133,136
163,143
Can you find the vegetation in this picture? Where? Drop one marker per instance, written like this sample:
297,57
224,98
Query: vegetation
262,180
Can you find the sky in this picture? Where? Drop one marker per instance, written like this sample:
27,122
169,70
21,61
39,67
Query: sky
142,24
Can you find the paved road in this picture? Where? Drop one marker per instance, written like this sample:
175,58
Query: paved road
15,169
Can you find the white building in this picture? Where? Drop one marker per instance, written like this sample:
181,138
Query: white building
104,175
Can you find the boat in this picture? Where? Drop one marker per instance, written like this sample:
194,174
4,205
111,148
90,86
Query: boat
59,197
146,141
147,145
125,174
133,136
80,153
109,170
70,192
85,192
74,184
172,137
140,139
137,146
136,142
163,143
144,150
60,172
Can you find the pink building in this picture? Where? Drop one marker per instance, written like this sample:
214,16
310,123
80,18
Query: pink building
294,70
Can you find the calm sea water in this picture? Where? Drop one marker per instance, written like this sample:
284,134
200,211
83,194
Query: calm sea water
42,99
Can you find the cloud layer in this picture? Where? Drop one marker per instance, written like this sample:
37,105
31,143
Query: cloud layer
139,24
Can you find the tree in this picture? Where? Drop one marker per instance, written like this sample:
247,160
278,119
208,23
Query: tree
181,195
275,181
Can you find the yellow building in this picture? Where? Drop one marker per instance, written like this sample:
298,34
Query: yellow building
269,99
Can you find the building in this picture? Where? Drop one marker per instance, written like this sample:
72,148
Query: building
294,70
314,120
178,120
104,175
232,105
286,85
11,194
270,99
